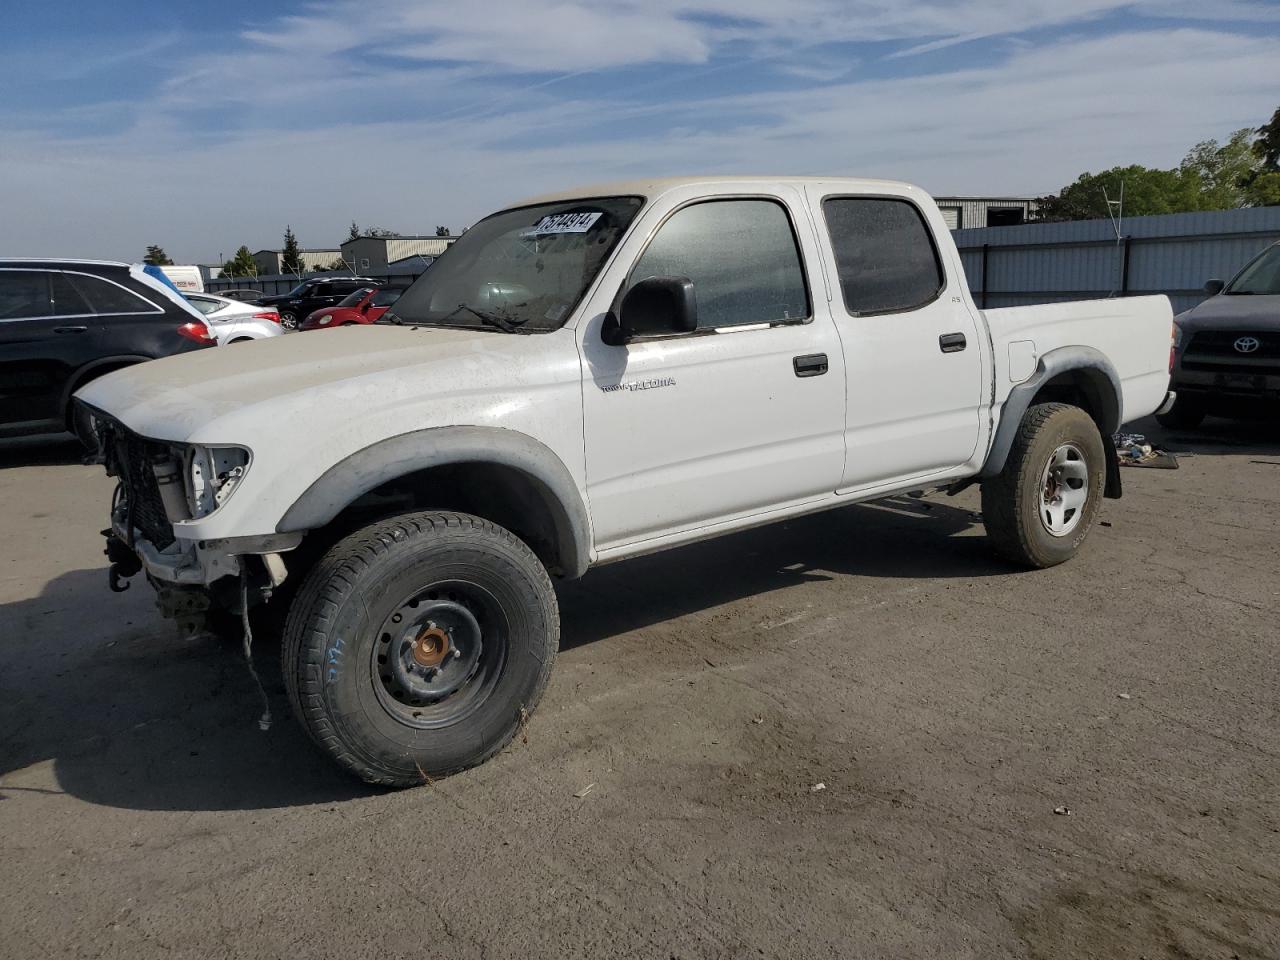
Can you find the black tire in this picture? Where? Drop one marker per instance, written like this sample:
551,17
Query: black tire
1016,506
1185,414
82,427
351,667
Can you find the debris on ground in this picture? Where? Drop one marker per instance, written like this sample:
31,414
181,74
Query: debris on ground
1134,451
584,791
757,719
1062,811
1125,696
818,787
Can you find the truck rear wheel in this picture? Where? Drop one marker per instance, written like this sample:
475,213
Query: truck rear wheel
1039,509
418,645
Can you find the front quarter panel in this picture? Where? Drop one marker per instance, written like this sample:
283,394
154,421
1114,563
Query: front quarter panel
529,385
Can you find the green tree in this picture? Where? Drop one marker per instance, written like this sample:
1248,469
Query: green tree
291,255
1146,191
1225,171
156,256
354,232
241,265
380,232
442,231
1267,144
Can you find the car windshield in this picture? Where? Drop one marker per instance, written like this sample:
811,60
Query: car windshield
1260,278
519,270
354,297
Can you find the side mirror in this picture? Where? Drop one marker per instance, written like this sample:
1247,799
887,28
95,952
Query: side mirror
364,307
654,307
1214,287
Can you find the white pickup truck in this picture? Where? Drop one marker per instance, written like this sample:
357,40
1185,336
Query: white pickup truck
582,378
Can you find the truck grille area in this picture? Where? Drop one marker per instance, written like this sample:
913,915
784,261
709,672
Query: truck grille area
129,458
1216,350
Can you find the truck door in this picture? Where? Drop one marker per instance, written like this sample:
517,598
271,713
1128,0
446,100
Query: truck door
744,415
913,359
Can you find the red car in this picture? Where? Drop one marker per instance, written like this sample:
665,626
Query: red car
361,306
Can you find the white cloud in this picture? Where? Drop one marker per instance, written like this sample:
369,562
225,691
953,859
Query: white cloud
313,125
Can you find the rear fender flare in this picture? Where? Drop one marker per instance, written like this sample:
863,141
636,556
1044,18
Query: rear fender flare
1102,380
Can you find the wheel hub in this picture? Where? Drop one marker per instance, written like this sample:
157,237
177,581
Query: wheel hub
1064,490
428,650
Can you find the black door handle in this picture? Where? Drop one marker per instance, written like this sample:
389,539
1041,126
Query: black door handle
810,365
952,342
70,329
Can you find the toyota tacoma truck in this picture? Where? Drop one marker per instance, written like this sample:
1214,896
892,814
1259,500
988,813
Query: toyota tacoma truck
582,378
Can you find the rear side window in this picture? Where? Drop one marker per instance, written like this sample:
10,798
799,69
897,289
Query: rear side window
884,254
24,294
385,298
741,256
67,300
204,305
107,297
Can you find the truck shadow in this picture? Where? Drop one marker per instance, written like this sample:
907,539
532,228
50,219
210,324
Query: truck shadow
133,715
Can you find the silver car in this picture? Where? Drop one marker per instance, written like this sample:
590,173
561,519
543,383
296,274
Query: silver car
234,322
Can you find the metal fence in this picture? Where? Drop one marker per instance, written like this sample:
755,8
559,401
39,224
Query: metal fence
1173,254
273,284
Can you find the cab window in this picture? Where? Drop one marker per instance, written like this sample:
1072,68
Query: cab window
885,255
742,257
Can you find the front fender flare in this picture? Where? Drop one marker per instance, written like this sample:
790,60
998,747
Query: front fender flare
386,460
1100,377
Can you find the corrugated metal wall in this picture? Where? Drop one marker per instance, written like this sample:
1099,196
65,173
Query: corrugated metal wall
1174,255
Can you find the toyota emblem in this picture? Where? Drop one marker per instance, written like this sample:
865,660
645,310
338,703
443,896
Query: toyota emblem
1247,344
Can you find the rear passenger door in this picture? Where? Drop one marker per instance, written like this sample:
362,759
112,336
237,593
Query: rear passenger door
914,364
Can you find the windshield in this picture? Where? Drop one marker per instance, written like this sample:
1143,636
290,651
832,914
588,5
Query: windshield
354,297
523,269
1261,278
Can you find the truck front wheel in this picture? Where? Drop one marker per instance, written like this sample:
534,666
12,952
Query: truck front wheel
418,646
1040,507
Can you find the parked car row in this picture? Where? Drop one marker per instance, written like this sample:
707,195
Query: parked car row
64,323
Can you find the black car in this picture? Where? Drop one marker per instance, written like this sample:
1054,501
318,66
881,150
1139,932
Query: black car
1227,354
313,294
65,322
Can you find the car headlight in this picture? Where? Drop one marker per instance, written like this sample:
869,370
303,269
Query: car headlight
213,474
325,319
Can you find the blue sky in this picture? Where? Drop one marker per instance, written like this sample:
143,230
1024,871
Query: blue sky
204,126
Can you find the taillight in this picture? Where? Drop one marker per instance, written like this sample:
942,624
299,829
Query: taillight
197,332
1173,346
268,315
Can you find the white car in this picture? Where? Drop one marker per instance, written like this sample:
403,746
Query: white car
234,322
586,377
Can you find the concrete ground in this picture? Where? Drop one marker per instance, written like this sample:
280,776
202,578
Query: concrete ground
664,800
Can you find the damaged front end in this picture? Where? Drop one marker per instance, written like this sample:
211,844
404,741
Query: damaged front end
162,489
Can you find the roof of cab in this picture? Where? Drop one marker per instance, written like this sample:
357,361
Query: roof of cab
657,186
51,261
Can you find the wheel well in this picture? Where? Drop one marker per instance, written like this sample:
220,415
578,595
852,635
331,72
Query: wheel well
1088,389
504,495
86,376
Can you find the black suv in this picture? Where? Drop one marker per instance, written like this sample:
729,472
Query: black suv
1227,358
65,322
312,295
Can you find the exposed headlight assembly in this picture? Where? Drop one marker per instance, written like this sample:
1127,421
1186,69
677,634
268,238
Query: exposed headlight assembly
213,473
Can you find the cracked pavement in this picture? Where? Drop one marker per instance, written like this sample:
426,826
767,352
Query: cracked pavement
948,702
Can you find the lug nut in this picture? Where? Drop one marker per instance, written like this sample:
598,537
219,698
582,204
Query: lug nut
396,618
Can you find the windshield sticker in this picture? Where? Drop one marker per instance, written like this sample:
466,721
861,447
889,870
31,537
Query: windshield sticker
566,223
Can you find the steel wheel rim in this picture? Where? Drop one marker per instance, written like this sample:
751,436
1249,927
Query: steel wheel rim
439,654
288,321
1064,490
